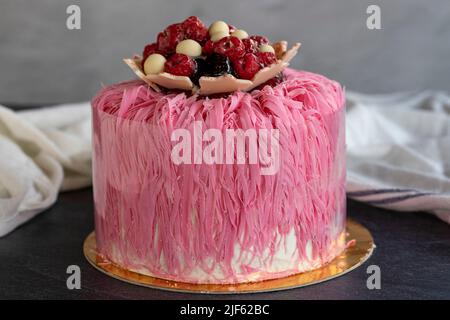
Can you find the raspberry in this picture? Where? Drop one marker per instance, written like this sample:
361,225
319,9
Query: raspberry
247,67
230,47
195,29
266,58
180,65
250,45
208,48
148,50
169,38
260,40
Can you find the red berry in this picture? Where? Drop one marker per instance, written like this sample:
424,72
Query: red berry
149,49
260,40
208,48
250,45
231,28
267,58
247,67
180,65
230,47
169,38
195,29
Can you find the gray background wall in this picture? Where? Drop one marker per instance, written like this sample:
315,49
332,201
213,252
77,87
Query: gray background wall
43,62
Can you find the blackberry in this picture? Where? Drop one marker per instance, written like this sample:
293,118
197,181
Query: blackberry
217,65
199,70
214,65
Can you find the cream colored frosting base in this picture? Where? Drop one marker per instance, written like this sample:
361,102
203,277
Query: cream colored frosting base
284,262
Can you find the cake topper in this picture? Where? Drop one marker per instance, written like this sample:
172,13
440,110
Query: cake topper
219,59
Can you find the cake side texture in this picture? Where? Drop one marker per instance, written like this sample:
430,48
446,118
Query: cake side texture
220,222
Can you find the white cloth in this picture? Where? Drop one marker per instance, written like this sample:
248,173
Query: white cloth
41,152
398,154
398,151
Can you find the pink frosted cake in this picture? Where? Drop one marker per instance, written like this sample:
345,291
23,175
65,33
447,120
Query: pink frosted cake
223,175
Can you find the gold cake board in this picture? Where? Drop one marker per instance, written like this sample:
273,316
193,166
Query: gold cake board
350,259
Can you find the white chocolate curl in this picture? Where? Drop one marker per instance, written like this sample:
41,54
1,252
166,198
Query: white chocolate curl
222,84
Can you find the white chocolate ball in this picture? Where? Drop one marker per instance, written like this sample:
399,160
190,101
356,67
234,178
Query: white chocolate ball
239,33
218,26
219,35
266,48
154,64
190,48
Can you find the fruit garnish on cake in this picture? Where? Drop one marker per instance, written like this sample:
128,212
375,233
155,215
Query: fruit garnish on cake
219,59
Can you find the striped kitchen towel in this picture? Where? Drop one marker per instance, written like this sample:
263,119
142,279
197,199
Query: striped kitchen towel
398,151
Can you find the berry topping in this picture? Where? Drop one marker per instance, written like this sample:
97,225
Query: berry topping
260,40
208,48
230,47
247,67
149,49
180,65
250,45
169,38
193,50
217,65
266,58
195,29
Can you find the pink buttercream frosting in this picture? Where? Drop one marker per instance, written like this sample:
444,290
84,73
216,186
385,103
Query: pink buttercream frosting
220,223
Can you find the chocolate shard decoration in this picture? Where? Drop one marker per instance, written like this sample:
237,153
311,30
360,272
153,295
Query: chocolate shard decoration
280,48
225,83
163,79
222,84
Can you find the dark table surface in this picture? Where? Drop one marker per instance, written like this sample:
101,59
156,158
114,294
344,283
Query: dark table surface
413,253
